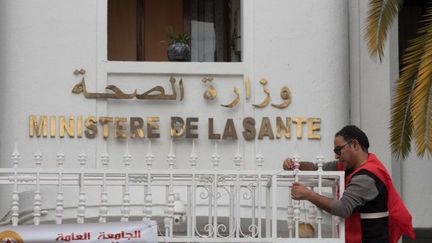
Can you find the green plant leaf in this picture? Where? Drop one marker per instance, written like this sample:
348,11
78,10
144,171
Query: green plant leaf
179,38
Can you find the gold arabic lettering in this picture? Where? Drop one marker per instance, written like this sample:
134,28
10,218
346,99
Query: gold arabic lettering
266,100
155,93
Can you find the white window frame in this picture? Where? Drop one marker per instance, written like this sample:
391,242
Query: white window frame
106,67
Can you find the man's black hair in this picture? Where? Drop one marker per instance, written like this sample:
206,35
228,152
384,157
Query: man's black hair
351,132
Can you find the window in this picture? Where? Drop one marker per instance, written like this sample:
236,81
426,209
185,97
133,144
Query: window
138,30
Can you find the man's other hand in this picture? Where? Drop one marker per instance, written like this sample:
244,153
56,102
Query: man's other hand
288,164
300,192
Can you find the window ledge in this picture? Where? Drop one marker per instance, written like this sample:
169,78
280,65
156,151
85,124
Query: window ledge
224,68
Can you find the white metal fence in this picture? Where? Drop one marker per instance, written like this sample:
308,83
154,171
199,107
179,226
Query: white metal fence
189,205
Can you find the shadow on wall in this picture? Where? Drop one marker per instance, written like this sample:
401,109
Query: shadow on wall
423,235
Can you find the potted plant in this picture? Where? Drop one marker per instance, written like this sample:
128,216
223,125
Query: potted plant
178,49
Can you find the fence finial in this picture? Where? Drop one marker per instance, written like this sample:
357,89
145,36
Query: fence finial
15,196
215,158
16,157
38,157
296,159
60,158
320,161
82,158
127,157
238,157
105,158
171,156
149,158
259,158
193,157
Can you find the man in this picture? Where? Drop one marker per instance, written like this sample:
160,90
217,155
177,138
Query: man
372,208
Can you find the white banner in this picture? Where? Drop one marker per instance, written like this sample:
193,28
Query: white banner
131,232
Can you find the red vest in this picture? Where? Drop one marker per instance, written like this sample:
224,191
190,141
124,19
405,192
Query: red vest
399,220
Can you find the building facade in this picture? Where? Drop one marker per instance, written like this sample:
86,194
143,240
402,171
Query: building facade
314,49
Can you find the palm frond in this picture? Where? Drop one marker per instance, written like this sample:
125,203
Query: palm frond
401,130
381,13
421,107
401,120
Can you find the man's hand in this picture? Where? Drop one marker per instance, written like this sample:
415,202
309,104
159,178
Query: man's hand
300,192
288,164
